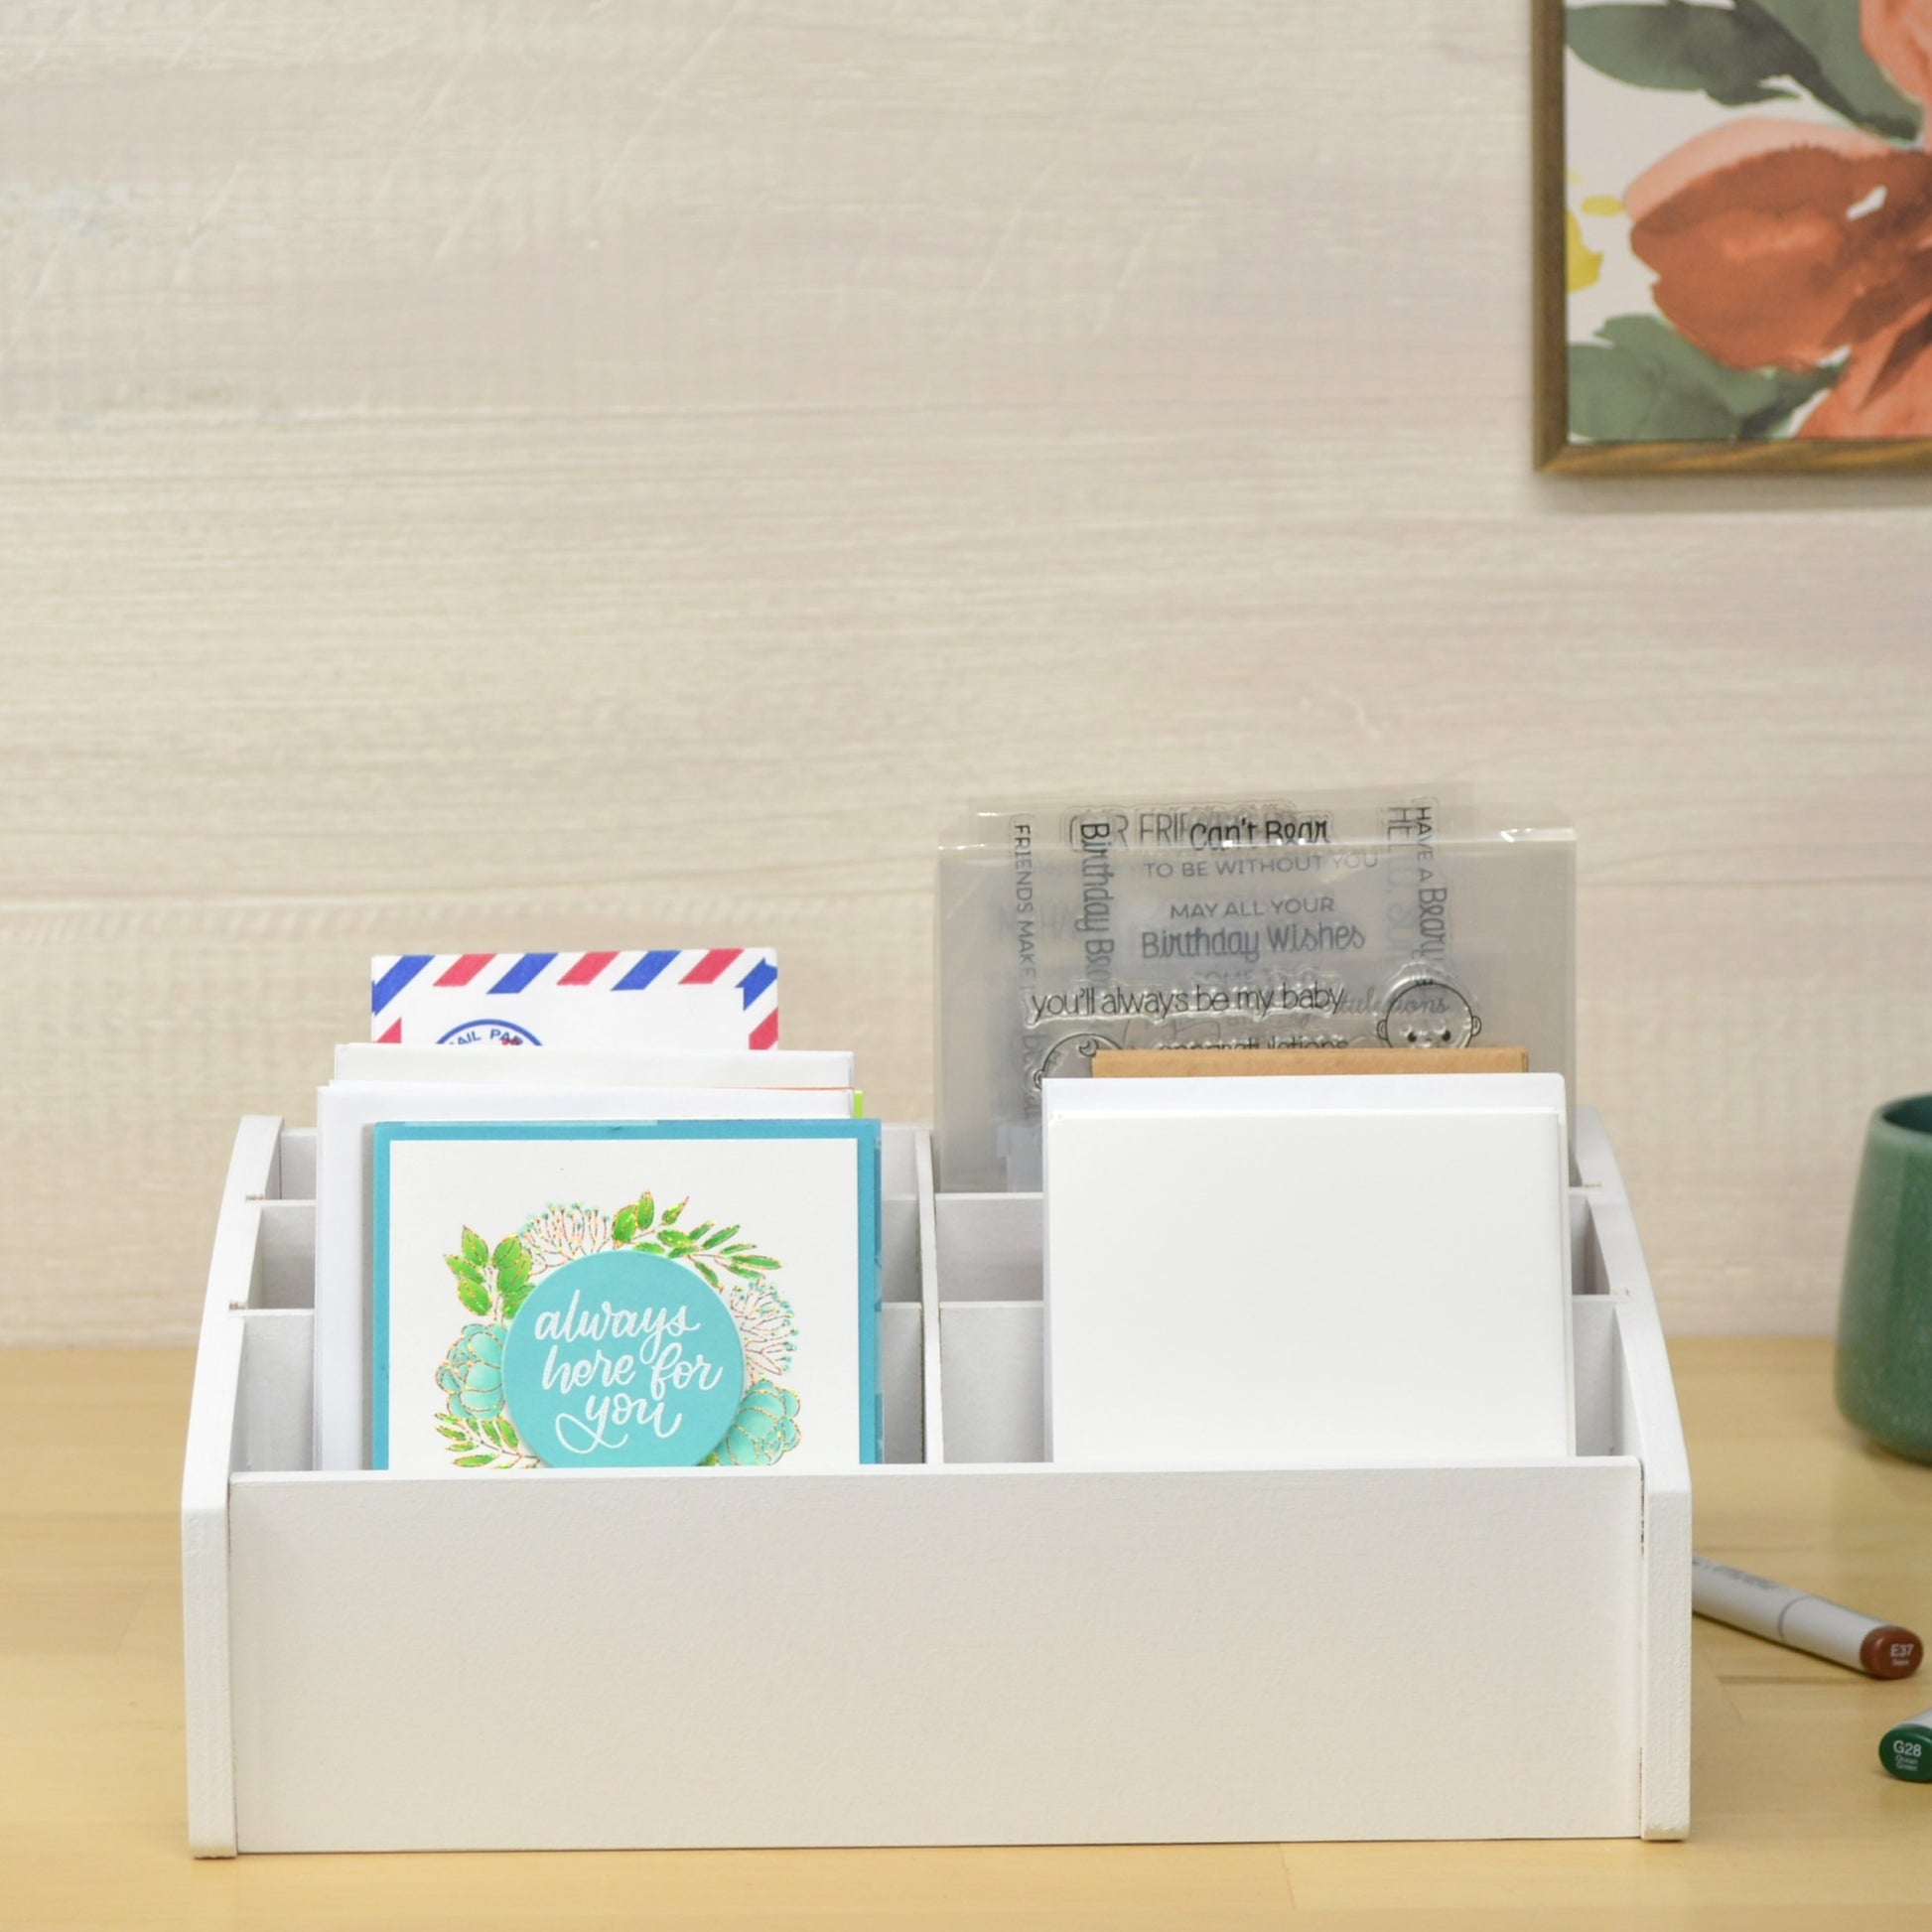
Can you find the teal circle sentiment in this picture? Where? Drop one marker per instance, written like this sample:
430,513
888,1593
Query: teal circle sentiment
623,1361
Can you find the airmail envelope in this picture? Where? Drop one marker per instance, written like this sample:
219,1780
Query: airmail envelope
694,998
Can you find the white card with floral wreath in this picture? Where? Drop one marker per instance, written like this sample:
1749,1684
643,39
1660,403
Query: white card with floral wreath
624,1294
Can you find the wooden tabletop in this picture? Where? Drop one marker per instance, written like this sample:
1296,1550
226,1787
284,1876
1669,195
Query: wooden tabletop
1793,1821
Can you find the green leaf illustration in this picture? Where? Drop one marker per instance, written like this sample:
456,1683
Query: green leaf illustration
515,1296
1828,60
1734,52
646,1209
463,1271
671,1213
1684,49
759,1264
507,1435
475,1250
709,1274
512,1260
624,1229
1640,381
723,1235
473,1461
473,1293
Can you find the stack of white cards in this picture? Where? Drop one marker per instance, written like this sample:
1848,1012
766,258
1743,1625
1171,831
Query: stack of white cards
1255,1272
705,1221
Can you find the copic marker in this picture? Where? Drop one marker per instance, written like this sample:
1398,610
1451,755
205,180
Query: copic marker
1905,1750
1802,1622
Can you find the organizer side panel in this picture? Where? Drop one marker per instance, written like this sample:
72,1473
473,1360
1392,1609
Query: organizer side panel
204,1592
900,1387
275,1418
898,1247
296,1177
932,1407
1595,1161
990,1247
234,1266
1649,1428
1592,1344
930,1656
992,1367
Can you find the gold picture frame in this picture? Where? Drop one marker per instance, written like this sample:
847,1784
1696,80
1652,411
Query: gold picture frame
1559,447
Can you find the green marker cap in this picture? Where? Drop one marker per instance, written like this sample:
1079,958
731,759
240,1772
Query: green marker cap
1905,1750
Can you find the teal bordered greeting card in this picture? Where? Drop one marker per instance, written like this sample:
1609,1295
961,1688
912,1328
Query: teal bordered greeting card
624,1294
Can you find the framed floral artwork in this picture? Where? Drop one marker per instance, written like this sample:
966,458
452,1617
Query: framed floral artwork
1735,234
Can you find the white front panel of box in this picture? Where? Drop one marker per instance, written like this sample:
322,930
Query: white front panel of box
1330,1287
920,1656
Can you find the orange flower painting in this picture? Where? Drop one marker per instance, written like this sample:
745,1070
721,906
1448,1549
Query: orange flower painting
1748,221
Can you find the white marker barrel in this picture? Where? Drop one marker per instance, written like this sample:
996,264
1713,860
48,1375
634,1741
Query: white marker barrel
1802,1622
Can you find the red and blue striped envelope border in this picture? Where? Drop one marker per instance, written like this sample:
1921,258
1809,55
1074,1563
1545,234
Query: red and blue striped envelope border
500,978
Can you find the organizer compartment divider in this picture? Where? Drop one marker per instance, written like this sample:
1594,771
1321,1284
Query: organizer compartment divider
973,1648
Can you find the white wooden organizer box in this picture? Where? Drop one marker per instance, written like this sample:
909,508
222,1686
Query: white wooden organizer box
962,1646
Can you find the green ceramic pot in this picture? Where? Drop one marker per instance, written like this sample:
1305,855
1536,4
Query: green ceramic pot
1884,1310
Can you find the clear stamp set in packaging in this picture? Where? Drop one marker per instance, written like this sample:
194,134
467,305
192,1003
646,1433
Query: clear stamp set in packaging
1402,918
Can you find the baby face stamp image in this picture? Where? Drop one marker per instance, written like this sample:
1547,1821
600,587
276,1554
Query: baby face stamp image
1423,1008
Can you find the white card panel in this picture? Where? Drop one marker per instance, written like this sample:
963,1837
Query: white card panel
1246,1273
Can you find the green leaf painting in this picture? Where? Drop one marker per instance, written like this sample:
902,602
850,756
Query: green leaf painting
1640,381
1829,60
1684,48
1749,51
1762,278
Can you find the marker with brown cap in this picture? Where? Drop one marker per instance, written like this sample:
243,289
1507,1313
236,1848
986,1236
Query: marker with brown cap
1803,1622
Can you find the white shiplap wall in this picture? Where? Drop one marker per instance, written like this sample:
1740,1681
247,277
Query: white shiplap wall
520,472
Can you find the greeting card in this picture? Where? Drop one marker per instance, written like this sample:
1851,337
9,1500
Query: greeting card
624,1294
1376,1268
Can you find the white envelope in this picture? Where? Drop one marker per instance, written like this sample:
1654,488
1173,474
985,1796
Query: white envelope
586,1066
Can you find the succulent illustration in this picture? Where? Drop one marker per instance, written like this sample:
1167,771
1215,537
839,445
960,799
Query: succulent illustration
561,1234
471,1375
764,1428
766,1325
